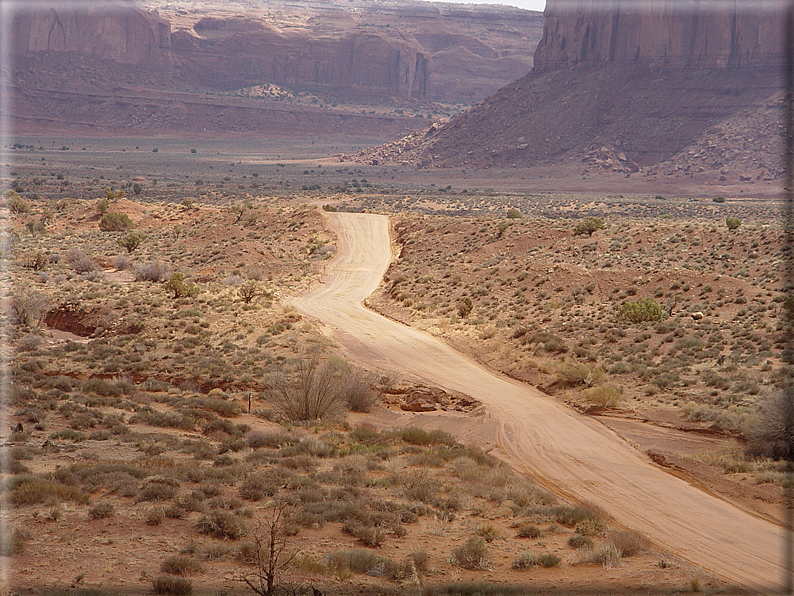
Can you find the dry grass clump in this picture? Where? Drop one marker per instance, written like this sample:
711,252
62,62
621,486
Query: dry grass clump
172,586
222,524
529,560
29,489
472,555
102,511
180,565
628,542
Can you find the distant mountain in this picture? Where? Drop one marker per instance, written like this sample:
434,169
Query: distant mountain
668,87
70,58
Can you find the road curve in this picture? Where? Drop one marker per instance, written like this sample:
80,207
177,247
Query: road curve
574,454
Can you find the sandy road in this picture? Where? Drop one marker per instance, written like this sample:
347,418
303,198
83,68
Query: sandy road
574,454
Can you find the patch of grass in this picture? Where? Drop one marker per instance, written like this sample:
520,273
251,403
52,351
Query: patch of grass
31,490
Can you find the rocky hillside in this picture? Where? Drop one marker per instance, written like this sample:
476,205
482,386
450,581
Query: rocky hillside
336,51
658,91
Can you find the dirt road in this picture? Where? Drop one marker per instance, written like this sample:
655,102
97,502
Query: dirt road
574,454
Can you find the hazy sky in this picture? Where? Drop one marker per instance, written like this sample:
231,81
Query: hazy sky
528,4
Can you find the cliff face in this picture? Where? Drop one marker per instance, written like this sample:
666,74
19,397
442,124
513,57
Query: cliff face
411,51
660,33
360,63
114,31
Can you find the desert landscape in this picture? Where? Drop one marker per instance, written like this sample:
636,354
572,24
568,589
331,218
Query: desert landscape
301,333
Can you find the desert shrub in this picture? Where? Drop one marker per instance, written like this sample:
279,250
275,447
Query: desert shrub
28,308
174,586
628,542
528,531
472,555
588,226
28,489
525,561
574,373
573,516
580,542
179,287
221,524
528,560
115,222
80,262
227,409
361,561
156,491
607,396
154,271
639,311
548,560
131,241
772,435
488,532
422,437
358,393
179,565
309,446
733,223
155,516
15,203
102,511
259,440
607,555
421,487
370,535
315,389
513,213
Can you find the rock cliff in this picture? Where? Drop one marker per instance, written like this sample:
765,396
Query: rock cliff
363,52
660,33
115,31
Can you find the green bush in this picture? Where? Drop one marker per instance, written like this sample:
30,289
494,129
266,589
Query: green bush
513,213
733,223
646,309
588,226
180,287
115,222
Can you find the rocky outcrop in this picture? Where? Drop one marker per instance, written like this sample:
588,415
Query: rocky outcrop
661,33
